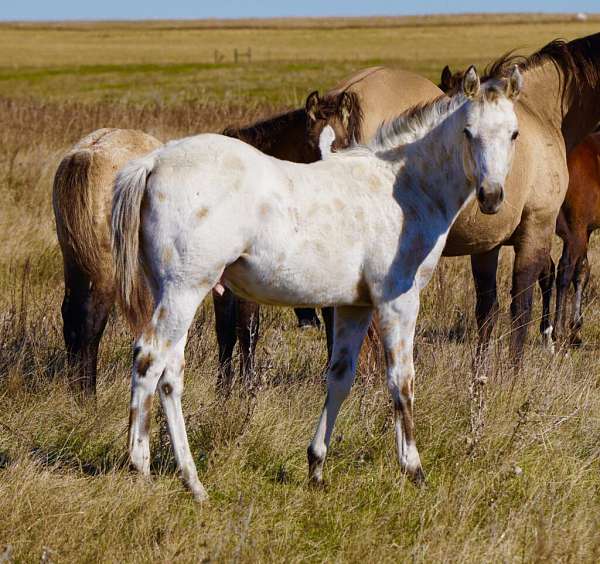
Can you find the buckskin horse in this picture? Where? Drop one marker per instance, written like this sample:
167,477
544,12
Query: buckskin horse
578,217
81,197
557,110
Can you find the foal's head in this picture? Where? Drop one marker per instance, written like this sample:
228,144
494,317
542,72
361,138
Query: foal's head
340,111
490,129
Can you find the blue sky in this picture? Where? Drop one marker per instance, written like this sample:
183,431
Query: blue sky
148,9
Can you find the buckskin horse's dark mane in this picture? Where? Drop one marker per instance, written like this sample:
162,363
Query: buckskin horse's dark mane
578,59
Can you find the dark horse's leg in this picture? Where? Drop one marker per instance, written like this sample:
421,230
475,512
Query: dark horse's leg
546,282
225,325
574,252
327,313
484,267
307,317
248,316
580,281
85,310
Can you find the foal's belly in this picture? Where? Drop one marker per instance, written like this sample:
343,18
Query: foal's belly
294,282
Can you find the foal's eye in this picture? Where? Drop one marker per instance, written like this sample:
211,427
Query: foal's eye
468,134
514,135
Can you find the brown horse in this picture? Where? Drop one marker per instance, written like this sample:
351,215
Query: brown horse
82,198
557,109
285,137
578,218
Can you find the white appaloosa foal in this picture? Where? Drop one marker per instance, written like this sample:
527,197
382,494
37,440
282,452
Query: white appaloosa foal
362,230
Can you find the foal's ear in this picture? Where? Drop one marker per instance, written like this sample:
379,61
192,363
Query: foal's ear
470,83
514,84
312,105
446,79
345,105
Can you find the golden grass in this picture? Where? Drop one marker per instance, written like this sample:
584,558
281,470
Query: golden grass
531,491
171,60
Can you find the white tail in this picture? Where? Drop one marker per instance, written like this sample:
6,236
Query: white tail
132,286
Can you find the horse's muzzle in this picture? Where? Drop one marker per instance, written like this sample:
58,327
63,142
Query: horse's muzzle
490,198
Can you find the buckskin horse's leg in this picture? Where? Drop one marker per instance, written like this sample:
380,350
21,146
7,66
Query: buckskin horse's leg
225,325
546,282
307,317
248,321
85,310
484,267
531,254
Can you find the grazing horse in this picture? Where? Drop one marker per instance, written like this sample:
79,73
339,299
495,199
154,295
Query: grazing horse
82,195
578,218
210,208
558,109
285,137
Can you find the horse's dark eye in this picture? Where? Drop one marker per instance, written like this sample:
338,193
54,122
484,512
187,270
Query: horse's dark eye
514,135
468,134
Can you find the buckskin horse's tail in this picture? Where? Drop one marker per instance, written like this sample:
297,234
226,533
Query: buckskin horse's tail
132,284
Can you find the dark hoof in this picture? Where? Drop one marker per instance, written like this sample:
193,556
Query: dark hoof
576,342
4,462
418,478
309,323
317,484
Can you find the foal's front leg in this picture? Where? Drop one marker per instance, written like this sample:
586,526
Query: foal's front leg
397,321
350,327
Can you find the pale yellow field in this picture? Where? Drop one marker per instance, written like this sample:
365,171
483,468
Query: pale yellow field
531,490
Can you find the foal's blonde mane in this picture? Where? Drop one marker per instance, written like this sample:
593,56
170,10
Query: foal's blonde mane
416,122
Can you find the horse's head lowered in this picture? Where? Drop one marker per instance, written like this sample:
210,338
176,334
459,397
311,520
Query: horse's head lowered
340,111
490,129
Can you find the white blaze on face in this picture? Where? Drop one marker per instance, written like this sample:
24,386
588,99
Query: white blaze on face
326,138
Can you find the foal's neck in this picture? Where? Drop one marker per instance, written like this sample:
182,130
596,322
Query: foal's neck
432,168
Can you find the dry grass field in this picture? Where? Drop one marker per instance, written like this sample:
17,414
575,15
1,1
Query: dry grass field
530,491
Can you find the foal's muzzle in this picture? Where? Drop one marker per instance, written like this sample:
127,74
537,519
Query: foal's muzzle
490,197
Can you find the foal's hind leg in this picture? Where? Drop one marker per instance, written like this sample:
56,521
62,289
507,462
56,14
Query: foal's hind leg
546,282
160,348
397,321
85,310
351,325
170,389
